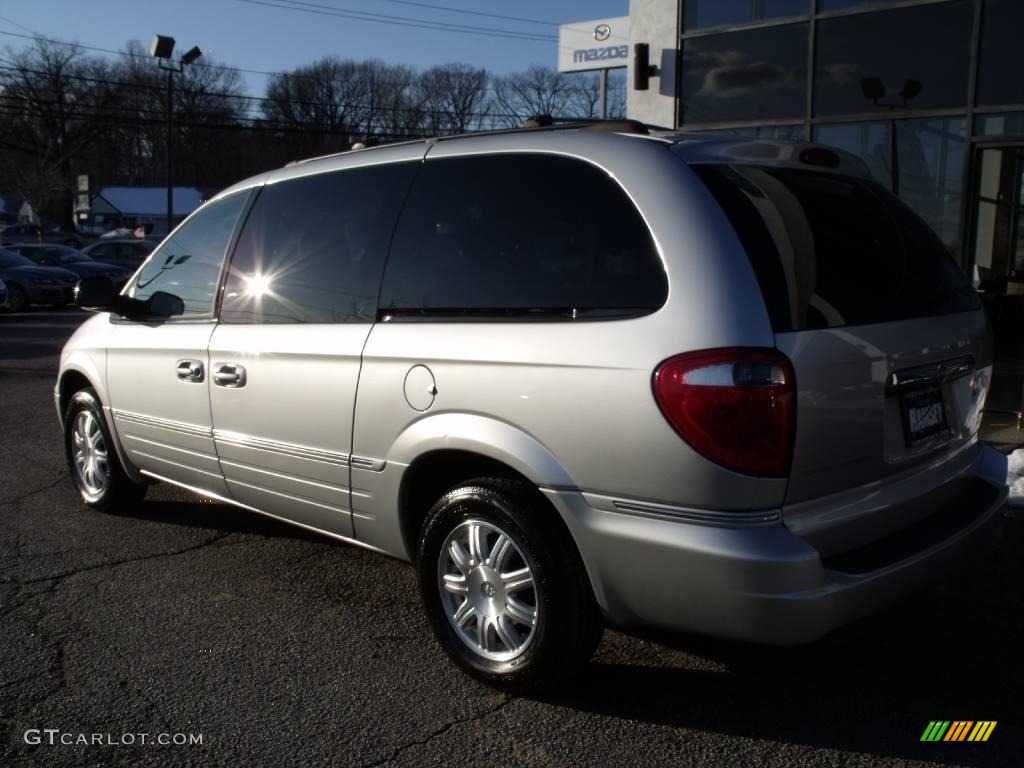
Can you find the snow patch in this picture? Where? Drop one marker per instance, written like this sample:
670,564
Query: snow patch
1015,477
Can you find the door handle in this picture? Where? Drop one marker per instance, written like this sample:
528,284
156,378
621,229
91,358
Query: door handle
229,375
190,371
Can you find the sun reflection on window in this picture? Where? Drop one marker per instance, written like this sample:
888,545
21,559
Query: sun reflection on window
257,285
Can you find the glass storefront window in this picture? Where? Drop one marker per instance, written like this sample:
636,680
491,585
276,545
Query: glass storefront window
787,132
1000,124
713,13
869,141
748,75
999,82
907,58
930,157
842,5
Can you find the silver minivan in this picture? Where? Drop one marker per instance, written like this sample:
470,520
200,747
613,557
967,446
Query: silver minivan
580,376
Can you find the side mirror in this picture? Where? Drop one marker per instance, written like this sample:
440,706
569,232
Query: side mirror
95,293
98,293
163,304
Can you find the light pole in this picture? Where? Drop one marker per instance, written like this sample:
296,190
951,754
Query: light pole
162,49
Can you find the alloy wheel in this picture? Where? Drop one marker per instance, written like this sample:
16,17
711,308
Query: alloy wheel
90,454
488,590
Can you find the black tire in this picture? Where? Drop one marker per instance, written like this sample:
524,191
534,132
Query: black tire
567,624
17,298
118,493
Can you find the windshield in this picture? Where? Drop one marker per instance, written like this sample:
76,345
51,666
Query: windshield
66,255
51,253
10,259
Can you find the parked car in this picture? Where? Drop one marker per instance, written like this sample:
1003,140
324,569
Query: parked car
28,283
13,234
578,377
74,261
128,253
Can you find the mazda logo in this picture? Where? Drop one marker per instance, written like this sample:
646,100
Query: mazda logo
602,32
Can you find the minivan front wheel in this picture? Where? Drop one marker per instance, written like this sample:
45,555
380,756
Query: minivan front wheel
505,592
92,460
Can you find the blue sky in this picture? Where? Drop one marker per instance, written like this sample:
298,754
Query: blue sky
248,34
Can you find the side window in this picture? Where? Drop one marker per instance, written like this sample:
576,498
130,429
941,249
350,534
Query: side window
511,235
188,264
313,248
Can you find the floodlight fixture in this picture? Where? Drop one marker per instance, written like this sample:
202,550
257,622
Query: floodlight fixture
162,47
191,55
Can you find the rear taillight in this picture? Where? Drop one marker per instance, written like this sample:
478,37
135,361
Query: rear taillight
735,406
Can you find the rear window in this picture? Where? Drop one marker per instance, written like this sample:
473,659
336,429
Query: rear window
832,251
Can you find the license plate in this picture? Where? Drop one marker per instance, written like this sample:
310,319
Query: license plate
923,415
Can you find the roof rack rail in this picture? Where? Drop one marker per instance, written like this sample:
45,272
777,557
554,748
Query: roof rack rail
620,126
610,125
548,123
533,123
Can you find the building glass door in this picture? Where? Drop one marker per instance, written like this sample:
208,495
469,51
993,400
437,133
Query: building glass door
998,258
999,221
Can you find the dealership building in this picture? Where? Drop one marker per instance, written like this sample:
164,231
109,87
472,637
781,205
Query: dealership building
928,92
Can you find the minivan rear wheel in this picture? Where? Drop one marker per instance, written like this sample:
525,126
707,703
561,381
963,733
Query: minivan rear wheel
92,460
504,588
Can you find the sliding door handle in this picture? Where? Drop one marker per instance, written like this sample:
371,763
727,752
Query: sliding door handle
190,371
230,375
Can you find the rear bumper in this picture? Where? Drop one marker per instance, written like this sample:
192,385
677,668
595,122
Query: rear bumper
760,581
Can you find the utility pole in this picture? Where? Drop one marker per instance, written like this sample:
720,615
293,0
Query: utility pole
170,150
604,94
162,49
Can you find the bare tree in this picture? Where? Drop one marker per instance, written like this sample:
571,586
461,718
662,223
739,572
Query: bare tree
325,101
585,95
452,97
208,99
52,97
384,107
137,142
537,91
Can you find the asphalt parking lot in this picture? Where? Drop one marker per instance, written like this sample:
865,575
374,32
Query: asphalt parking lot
281,648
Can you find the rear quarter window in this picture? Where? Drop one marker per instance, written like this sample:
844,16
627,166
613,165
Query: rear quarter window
832,251
521,235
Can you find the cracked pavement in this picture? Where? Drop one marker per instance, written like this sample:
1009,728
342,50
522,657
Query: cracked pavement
283,648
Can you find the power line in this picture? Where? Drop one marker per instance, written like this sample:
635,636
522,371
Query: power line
288,75
253,124
356,112
355,107
19,26
399,21
243,107
473,13
129,55
197,65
